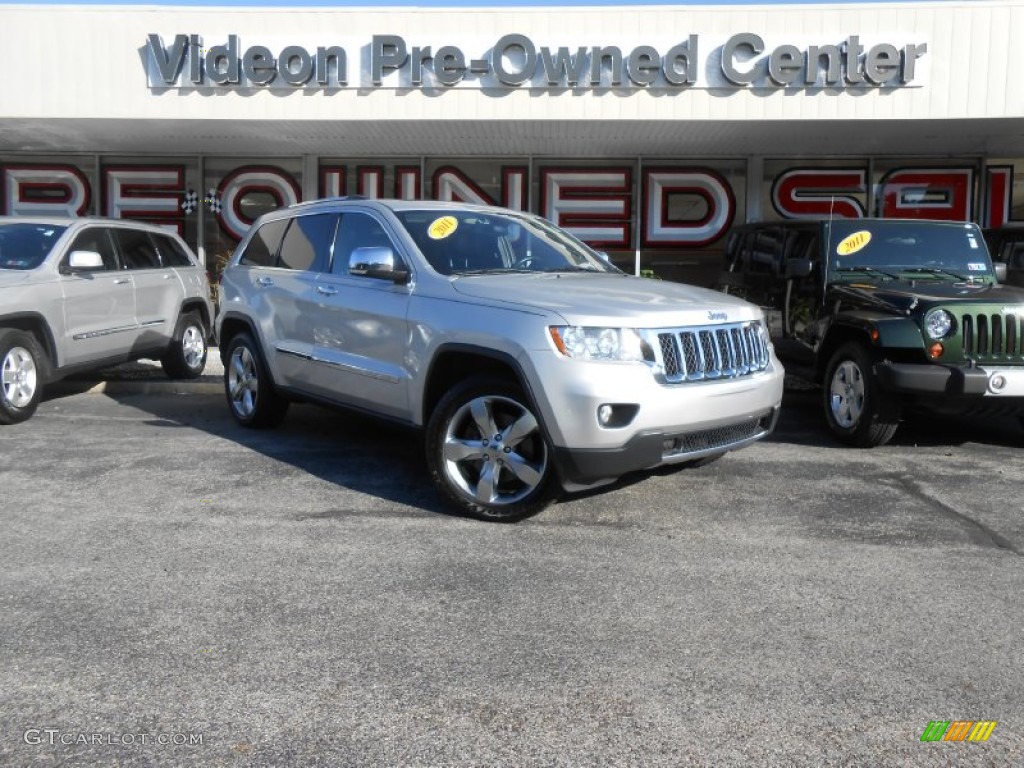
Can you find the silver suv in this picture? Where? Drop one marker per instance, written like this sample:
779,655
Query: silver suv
532,363
79,294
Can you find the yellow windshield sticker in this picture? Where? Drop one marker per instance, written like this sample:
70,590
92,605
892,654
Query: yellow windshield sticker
853,243
442,227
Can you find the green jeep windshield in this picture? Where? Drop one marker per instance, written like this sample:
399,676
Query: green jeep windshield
905,250
470,242
25,245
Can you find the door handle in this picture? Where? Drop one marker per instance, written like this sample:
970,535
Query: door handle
121,281
264,281
326,291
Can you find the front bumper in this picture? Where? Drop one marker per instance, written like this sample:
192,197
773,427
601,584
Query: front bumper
916,379
583,468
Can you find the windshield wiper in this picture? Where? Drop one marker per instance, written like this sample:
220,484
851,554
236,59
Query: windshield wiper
493,271
868,270
934,271
573,268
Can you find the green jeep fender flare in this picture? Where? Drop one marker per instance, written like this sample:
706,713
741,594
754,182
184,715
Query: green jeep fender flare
894,333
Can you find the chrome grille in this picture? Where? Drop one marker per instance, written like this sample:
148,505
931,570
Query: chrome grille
712,352
993,337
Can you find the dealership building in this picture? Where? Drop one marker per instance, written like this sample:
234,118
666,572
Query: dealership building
649,131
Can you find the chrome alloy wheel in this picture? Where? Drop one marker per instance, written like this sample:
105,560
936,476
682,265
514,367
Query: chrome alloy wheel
19,377
193,346
847,394
494,451
243,382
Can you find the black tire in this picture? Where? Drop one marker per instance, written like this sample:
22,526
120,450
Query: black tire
23,367
252,399
185,358
857,410
524,481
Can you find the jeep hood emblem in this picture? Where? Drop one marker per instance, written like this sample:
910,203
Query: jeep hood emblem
717,316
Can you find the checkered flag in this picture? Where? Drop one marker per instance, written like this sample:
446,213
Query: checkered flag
212,201
190,202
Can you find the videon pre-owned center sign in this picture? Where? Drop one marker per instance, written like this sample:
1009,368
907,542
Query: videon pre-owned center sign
515,60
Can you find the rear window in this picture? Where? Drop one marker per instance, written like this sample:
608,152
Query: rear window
137,250
25,246
172,253
261,251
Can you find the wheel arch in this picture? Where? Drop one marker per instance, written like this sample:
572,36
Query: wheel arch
232,324
453,363
198,305
34,323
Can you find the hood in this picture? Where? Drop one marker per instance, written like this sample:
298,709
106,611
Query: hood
12,277
901,297
583,298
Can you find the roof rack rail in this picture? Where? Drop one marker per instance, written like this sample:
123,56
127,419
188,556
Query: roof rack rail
333,198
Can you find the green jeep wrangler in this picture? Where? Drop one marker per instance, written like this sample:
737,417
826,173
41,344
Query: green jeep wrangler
885,315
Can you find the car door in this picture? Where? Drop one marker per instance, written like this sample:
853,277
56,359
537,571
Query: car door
304,253
158,289
99,305
359,326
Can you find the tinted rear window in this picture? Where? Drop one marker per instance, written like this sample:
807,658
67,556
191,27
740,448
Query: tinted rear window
261,250
172,253
307,245
137,250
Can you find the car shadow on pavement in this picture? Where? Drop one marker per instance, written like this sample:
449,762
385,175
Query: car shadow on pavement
344,449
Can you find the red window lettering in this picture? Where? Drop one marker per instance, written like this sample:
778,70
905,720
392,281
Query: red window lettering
44,190
685,206
593,204
814,193
245,181
927,193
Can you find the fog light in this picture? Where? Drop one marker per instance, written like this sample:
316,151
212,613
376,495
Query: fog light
997,383
935,350
604,415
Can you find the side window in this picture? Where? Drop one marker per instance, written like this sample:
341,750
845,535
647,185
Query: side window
137,250
765,251
357,230
1015,256
98,240
172,254
261,250
307,243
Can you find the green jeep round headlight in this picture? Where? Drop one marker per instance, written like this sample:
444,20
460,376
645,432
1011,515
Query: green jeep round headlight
938,324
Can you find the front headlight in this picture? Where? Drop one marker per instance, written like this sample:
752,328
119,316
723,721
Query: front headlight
583,343
938,324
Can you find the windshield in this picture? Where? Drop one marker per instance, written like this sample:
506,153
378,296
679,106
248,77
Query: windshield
907,250
24,245
480,242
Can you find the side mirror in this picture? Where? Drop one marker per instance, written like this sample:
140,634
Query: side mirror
84,261
798,268
604,256
1001,271
376,261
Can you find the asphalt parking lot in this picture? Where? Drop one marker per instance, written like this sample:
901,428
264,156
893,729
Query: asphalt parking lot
178,591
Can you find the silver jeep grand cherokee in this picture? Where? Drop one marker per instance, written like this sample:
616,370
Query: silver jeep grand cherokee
78,294
532,363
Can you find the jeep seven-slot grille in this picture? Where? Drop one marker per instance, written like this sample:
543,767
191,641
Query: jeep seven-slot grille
713,352
993,337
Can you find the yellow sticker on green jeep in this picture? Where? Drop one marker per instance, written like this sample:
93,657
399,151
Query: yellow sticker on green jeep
442,227
853,243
